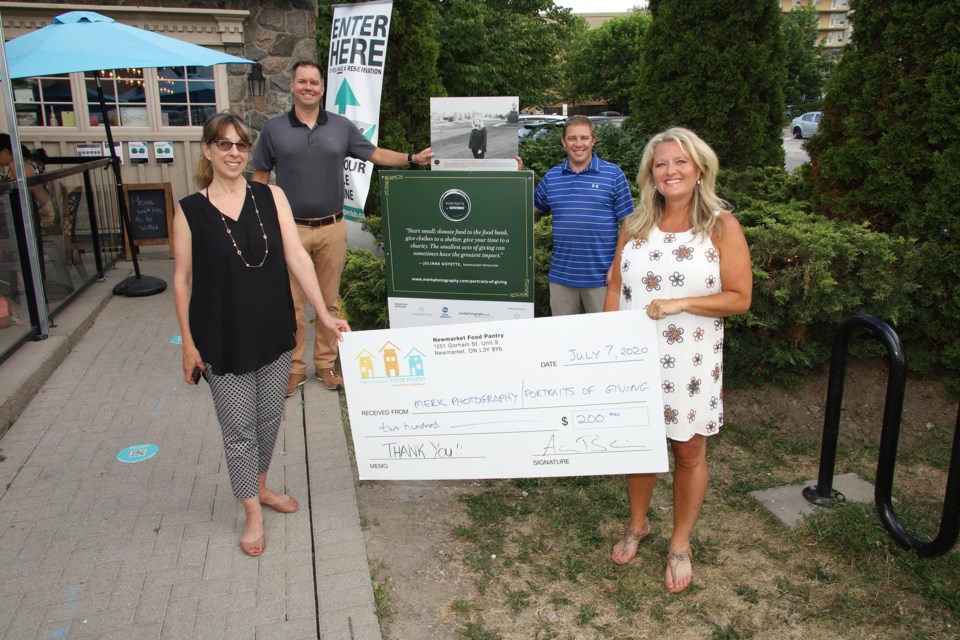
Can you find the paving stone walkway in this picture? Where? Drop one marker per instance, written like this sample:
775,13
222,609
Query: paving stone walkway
91,547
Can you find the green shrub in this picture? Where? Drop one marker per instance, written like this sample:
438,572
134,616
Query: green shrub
718,73
623,148
810,274
542,250
888,152
374,224
544,152
932,339
755,185
364,291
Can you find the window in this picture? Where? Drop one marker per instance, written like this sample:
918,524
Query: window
123,94
840,4
146,98
187,96
44,102
838,19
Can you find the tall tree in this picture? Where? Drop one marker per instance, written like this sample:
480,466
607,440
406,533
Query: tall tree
503,47
888,152
717,67
804,54
605,63
889,140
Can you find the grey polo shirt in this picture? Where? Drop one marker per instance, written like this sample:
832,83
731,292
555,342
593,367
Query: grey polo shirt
309,162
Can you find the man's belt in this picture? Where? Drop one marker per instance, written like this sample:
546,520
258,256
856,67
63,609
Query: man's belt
319,222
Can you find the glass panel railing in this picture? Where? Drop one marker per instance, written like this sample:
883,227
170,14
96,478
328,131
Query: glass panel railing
66,239
15,325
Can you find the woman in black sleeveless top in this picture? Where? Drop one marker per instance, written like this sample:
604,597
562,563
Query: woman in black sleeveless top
233,242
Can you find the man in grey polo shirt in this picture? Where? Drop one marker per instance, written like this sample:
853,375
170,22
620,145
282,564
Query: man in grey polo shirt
306,147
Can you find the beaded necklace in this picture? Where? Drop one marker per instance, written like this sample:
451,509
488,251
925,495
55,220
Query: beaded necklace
223,218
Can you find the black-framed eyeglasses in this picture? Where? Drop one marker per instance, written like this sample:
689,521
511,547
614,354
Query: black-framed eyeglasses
224,145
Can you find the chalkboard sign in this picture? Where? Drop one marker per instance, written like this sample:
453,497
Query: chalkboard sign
151,213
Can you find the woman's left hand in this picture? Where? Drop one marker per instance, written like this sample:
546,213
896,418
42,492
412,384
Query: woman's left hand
659,309
338,326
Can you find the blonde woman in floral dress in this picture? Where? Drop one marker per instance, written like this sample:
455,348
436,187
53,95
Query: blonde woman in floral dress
682,257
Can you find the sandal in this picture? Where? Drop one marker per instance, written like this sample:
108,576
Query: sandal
674,560
630,537
256,548
287,506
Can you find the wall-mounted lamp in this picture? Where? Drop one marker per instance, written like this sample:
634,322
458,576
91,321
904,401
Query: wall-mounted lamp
256,81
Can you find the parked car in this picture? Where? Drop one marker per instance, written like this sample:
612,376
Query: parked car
806,125
609,114
533,131
539,119
603,121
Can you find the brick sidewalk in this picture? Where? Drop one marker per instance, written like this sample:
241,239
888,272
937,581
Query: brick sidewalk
94,548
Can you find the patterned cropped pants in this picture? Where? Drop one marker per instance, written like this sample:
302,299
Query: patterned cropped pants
250,407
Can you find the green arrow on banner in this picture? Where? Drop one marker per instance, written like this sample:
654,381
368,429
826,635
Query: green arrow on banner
345,98
368,134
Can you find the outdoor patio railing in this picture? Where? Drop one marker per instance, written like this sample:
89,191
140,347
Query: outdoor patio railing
76,234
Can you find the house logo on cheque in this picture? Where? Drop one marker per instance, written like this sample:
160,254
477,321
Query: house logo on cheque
388,366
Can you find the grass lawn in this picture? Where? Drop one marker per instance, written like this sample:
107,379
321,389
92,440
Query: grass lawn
538,552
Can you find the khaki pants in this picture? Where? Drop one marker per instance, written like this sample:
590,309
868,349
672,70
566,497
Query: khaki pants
327,247
568,301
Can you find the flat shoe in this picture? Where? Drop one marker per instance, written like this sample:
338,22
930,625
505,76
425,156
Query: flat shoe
674,560
631,537
254,549
287,506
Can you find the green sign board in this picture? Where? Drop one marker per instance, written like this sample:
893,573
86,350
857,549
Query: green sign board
458,235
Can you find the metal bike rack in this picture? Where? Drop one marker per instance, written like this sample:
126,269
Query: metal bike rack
823,494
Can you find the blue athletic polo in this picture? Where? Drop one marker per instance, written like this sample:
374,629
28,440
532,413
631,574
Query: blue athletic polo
586,208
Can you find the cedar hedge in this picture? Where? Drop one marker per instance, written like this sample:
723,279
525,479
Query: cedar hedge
810,273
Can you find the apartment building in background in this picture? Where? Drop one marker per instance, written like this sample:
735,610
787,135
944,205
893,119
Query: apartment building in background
834,24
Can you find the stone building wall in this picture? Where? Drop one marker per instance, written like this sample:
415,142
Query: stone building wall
278,35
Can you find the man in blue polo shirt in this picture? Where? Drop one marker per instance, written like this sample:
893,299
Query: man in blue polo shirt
587,197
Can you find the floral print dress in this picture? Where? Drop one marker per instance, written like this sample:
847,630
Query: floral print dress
678,265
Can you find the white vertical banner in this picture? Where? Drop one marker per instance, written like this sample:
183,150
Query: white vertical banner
358,53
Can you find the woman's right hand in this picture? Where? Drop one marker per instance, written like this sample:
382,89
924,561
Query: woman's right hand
191,359
338,326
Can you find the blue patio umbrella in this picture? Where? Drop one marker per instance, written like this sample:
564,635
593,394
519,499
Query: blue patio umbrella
87,41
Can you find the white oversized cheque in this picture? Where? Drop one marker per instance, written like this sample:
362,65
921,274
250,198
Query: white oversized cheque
572,395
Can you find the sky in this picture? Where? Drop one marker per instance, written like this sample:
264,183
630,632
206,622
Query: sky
598,6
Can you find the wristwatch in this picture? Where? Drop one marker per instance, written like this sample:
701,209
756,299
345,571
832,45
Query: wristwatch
409,157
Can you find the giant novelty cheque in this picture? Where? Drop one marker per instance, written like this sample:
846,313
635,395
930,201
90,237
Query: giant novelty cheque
571,395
